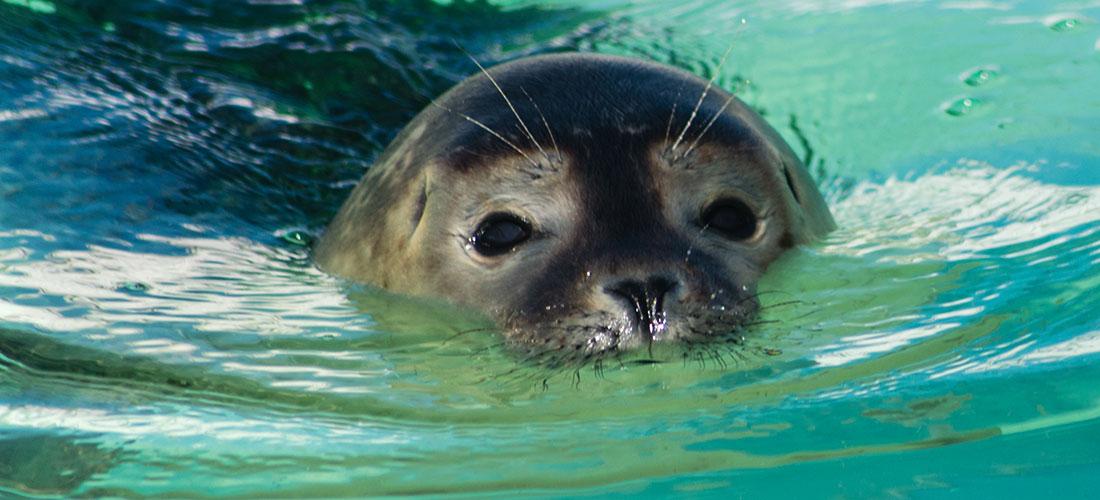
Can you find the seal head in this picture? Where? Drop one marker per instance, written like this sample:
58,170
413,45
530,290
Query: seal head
590,204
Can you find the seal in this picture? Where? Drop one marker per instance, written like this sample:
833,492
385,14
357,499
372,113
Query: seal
590,204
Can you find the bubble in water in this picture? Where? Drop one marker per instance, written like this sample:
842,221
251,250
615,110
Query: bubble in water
980,76
1066,24
133,286
296,237
962,106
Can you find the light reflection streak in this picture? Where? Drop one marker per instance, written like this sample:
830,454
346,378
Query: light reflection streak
220,284
1082,345
208,426
977,208
869,345
44,318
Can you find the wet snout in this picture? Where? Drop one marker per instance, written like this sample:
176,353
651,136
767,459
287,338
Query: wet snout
644,300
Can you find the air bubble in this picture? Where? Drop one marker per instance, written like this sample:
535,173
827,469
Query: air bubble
962,106
296,237
980,76
1063,25
133,286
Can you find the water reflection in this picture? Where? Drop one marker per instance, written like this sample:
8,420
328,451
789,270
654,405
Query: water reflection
214,284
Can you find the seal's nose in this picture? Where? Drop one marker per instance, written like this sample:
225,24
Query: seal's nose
646,300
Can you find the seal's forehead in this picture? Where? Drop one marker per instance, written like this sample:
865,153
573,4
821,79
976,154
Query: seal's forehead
573,102
582,89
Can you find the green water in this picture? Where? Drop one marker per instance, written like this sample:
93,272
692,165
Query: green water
163,166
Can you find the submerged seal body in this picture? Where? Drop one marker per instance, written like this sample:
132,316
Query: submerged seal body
590,204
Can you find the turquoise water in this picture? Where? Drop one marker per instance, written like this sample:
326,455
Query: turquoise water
164,165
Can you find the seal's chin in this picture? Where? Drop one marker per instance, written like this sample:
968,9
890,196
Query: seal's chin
581,335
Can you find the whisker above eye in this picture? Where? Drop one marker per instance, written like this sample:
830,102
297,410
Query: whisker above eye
486,128
507,101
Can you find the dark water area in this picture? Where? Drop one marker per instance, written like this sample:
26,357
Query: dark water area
264,114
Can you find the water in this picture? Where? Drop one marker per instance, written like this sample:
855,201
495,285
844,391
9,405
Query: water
163,332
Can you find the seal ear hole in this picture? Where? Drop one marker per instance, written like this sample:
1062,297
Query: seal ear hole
499,233
730,217
418,209
790,184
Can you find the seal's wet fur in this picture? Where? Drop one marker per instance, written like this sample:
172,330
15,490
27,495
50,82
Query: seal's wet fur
611,159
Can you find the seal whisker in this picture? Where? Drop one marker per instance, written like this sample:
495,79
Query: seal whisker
489,130
464,332
702,96
546,124
706,128
737,354
597,369
760,293
758,323
516,375
781,304
701,360
672,115
506,100
691,246
748,298
718,359
495,345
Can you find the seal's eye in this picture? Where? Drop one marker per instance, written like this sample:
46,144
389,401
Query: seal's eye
732,218
499,233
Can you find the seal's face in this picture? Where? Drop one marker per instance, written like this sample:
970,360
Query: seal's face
593,219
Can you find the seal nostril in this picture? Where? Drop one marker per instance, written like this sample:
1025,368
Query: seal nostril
646,301
658,287
634,294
